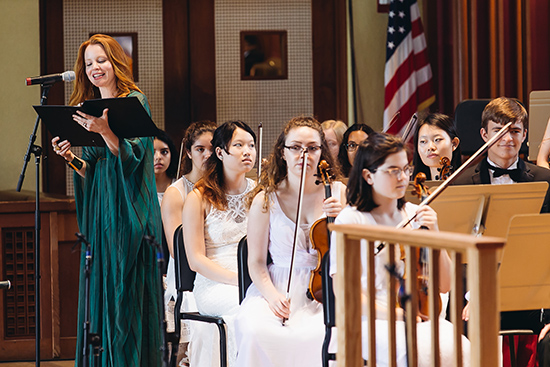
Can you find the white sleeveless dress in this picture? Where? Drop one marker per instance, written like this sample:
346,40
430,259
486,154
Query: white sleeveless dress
261,338
222,232
350,215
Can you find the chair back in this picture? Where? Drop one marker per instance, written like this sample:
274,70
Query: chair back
185,277
329,305
468,123
242,264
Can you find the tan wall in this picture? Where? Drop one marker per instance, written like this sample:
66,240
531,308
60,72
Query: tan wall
370,29
19,58
370,57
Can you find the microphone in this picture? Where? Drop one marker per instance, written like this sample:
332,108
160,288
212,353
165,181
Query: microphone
67,76
5,284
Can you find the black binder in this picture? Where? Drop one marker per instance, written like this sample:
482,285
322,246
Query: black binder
127,119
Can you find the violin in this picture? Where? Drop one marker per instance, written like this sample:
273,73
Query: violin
445,169
422,274
319,236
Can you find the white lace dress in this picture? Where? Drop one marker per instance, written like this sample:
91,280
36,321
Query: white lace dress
350,215
261,338
222,232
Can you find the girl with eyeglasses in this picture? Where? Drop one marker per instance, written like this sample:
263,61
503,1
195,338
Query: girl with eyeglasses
375,195
354,135
262,340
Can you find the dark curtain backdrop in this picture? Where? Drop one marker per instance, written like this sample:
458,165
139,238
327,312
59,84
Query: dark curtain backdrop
487,48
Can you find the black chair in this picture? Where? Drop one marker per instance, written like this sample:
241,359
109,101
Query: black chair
329,306
242,264
468,123
185,278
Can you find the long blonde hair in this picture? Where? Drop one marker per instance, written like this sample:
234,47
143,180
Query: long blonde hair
122,66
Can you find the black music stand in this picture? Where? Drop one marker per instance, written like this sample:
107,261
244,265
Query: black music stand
127,119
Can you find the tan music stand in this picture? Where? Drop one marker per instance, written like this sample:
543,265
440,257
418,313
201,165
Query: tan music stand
524,272
487,209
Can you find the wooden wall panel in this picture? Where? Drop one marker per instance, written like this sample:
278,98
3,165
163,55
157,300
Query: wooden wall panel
51,61
329,59
189,64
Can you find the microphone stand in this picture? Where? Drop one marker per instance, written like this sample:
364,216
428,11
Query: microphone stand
89,338
162,319
37,151
404,298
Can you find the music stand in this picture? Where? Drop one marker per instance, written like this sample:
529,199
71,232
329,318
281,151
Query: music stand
526,253
539,112
127,119
486,209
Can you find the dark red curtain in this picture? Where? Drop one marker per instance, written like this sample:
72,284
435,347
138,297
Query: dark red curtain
487,48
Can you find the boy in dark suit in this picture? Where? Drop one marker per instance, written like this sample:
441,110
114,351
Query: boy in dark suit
504,166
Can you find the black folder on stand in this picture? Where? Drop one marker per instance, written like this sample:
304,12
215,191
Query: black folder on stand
127,119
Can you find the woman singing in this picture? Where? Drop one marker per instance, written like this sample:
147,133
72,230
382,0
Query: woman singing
262,339
215,219
117,206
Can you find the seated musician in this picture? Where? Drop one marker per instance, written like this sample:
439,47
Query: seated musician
435,138
215,218
376,190
504,166
262,339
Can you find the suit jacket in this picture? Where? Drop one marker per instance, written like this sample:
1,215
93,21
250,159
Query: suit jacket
529,173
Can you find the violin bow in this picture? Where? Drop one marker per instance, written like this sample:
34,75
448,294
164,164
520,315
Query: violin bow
410,127
392,122
453,177
260,133
298,216
179,161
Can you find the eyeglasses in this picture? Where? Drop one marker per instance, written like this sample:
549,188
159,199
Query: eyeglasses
397,172
297,149
352,146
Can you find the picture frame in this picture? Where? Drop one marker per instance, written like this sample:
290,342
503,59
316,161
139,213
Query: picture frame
263,55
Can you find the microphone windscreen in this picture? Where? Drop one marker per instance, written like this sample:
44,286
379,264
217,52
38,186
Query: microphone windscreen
68,76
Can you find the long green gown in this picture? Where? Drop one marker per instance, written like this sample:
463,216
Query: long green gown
116,206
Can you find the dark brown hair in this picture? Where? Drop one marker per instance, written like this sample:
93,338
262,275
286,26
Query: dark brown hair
446,124
370,155
212,184
502,110
193,132
345,164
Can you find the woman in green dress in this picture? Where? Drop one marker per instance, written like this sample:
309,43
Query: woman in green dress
117,206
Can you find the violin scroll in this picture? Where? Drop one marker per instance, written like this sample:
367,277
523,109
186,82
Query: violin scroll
445,169
419,189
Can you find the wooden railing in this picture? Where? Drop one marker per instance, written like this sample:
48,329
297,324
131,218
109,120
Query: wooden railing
484,322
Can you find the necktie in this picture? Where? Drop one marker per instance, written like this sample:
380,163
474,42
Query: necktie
515,174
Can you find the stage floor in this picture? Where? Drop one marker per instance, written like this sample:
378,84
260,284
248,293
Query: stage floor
42,364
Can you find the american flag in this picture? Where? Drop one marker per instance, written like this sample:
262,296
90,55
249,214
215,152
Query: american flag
408,76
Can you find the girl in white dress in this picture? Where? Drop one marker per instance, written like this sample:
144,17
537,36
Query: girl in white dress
262,340
377,185
215,219
197,144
